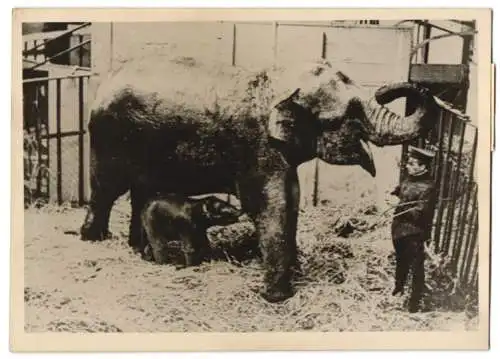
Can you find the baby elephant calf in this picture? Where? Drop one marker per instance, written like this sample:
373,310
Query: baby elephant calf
173,217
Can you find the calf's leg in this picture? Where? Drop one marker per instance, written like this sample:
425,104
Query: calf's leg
193,245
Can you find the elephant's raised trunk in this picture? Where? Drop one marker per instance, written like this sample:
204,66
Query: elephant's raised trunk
387,128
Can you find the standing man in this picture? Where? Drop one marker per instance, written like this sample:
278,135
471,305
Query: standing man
412,223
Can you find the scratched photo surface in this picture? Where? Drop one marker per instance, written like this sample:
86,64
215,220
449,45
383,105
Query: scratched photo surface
250,176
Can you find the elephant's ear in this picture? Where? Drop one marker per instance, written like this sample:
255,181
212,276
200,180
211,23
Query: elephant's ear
280,121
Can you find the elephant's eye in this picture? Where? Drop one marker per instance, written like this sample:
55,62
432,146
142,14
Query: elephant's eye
288,123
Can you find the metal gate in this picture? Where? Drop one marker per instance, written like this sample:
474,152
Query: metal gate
454,235
455,228
41,133
54,105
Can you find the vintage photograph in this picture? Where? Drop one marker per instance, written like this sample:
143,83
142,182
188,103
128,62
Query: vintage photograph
244,176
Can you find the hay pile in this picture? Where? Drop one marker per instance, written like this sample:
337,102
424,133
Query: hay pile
235,242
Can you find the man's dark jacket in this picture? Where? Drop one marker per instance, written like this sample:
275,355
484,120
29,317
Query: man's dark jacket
417,221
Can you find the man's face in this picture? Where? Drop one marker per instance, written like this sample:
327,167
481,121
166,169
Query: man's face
414,167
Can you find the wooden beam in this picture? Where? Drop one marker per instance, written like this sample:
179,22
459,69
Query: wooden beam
427,36
438,74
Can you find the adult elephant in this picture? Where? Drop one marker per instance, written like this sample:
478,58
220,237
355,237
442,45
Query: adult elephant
176,125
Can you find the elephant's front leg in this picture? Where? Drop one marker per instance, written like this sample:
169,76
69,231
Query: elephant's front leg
276,226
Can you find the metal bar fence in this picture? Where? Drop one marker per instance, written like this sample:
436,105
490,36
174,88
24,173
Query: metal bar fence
455,227
57,115
35,148
59,141
81,123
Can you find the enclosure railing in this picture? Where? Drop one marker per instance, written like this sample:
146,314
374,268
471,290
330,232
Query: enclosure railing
455,229
35,45
45,118
49,119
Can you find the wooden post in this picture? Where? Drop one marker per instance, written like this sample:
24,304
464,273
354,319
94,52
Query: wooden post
101,52
59,142
316,161
323,46
275,42
111,45
233,54
316,182
466,51
427,35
